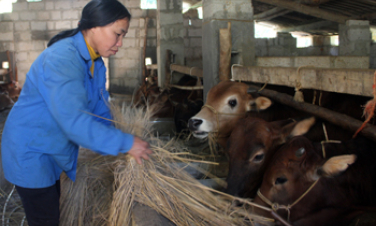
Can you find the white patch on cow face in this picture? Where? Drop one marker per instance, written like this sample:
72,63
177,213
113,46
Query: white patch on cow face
230,105
203,127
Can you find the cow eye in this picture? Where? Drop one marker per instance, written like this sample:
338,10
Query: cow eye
280,180
300,152
258,158
232,103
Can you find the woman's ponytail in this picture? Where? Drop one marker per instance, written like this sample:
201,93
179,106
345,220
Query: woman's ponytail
62,35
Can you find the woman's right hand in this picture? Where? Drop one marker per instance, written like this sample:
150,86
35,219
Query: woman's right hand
139,150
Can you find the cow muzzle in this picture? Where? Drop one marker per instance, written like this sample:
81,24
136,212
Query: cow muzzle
194,125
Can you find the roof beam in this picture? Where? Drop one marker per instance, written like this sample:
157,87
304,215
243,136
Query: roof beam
308,10
329,26
270,14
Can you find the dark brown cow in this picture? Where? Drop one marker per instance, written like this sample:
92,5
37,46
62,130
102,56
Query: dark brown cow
251,145
165,101
254,140
5,101
308,189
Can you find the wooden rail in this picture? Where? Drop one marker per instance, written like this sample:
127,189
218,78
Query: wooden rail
351,81
194,71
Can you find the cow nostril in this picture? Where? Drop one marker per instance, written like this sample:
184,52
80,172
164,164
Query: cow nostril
193,124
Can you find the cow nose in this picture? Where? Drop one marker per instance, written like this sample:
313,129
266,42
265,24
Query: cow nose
193,124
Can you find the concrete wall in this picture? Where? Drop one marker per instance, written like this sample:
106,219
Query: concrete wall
193,39
372,56
285,45
315,61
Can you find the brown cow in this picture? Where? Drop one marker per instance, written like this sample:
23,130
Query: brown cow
309,189
251,145
225,104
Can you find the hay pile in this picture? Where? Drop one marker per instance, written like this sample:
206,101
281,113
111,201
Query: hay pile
108,188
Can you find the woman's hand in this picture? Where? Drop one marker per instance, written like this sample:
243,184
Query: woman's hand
140,149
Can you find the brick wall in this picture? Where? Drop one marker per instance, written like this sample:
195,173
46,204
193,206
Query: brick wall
31,25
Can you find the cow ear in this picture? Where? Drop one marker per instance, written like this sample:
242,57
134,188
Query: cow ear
302,127
295,129
260,103
336,165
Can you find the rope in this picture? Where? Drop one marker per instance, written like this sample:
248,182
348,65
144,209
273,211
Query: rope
325,132
263,87
326,142
276,206
190,71
232,67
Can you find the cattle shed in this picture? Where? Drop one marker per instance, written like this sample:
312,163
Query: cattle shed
183,48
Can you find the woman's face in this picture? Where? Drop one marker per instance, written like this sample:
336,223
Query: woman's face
107,40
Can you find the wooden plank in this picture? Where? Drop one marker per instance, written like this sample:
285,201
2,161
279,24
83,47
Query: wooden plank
194,71
351,81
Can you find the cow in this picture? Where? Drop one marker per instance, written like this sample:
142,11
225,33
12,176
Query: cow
6,102
166,100
226,103
250,147
183,112
311,184
229,101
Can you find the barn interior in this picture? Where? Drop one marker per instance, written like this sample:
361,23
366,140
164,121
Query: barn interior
326,45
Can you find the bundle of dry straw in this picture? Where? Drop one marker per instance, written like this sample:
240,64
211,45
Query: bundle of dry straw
109,187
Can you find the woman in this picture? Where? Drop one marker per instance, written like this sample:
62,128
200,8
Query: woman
50,120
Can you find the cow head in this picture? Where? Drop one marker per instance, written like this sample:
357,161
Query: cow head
292,179
251,145
225,104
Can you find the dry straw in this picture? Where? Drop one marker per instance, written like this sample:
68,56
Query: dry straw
108,188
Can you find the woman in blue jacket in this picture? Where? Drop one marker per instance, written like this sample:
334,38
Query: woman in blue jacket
50,120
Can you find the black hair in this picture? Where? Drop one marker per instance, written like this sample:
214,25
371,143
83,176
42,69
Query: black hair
97,13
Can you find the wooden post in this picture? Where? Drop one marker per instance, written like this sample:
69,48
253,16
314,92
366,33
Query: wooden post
167,68
144,69
225,47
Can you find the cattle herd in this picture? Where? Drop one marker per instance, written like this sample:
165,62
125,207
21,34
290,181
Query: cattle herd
306,170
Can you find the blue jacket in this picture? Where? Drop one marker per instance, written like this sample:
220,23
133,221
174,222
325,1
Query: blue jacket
49,121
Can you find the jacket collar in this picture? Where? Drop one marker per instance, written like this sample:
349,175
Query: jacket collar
81,46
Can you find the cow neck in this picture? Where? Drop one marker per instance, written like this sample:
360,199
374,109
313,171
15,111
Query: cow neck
275,206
